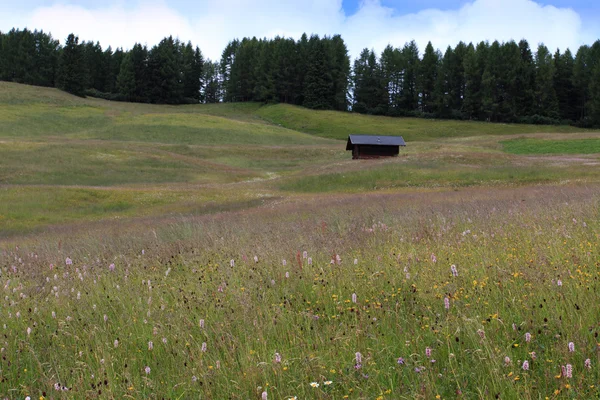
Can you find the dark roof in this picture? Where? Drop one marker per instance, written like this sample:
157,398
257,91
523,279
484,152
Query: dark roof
375,140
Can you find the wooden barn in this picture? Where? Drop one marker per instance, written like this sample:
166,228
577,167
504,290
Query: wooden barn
371,146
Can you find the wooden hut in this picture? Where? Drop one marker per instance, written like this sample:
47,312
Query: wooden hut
371,146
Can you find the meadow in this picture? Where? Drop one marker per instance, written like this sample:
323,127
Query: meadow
235,251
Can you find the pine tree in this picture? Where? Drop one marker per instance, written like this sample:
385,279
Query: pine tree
317,81
581,82
126,79
525,81
72,76
545,95
212,85
410,95
428,77
563,85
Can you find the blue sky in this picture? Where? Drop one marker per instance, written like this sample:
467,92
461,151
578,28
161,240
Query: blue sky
362,23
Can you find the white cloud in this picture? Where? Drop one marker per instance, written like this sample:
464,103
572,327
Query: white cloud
212,23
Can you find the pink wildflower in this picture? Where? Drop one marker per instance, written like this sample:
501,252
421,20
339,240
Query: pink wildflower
571,347
354,299
569,371
264,396
111,267
433,258
204,347
147,370
454,270
277,358
201,323
588,363
150,345
525,365
428,352
446,303
68,261
528,337
507,360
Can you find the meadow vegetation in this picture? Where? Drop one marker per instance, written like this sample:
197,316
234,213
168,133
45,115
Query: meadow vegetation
235,251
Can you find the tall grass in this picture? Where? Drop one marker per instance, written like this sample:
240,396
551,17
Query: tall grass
376,284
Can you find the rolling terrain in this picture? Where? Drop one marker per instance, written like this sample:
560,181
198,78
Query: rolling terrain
236,251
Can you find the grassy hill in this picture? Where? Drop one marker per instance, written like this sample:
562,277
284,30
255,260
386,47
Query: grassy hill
93,159
236,251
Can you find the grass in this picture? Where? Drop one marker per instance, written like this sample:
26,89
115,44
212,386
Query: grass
154,251
336,125
541,146
175,318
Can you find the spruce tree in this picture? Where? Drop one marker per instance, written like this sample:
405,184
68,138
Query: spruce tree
126,79
72,76
428,77
545,96
317,81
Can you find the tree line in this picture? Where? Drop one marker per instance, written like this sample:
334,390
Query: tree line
499,82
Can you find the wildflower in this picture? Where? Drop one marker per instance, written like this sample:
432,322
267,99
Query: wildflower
563,370
102,361
433,258
419,369
284,263
525,365
314,384
232,263
147,370
28,331
354,297
507,360
105,318
264,396
164,340
255,259
309,261
356,261
277,358
218,364
150,345
428,352
327,383
358,358
481,333
338,259
304,254
528,337
559,282
588,363
203,347
287,275
446,303
533,355
194,378
569,371
571,347
400,361
111,267
68,261
116,343
432,361
514,326
143,252
201,323
454,270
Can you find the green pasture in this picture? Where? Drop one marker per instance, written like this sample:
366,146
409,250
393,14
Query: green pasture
65,144
548,146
